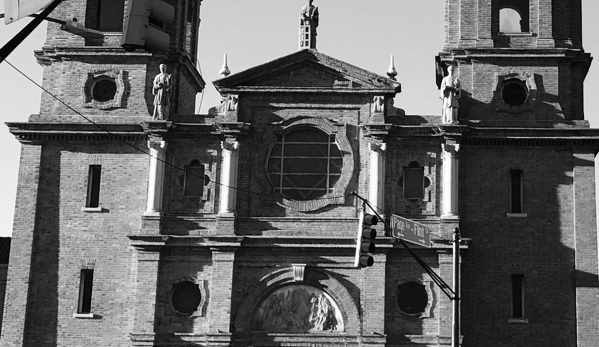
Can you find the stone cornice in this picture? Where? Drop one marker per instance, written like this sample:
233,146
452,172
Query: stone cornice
245,81
515,53
283,89
188,69
75,131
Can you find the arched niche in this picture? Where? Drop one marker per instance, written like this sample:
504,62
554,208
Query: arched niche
266,294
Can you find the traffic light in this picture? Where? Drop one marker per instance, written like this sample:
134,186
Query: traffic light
144,25
365,245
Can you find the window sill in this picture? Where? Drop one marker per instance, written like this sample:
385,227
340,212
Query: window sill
517,215
92,209
523,34
518,320
84,315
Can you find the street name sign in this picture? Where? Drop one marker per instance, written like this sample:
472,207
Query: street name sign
410,231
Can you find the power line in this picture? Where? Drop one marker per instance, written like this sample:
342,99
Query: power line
99,126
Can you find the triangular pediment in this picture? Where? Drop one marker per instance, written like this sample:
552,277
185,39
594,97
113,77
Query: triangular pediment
307,70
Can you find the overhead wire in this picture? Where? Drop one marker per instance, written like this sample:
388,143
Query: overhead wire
99,126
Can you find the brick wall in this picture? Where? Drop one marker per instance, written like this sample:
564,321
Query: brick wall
539,245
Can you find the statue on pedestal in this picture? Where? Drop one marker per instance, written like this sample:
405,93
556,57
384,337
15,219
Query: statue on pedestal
451,91
161,89
308,25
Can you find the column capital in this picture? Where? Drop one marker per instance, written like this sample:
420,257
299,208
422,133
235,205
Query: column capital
450,147
377,147
157,144
230,146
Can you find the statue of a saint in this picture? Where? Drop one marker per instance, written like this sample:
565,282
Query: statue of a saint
161,89
309,15
450,93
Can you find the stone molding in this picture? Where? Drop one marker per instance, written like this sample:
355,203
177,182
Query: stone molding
278,278
269,140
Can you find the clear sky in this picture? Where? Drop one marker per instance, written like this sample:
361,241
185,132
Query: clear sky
361,32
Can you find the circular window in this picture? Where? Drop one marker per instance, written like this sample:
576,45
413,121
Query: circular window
412,298
104,89
186,297
514,92
304,164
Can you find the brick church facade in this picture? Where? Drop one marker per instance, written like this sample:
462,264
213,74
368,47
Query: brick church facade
238,227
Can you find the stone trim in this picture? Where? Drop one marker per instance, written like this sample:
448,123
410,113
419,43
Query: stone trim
269,140
204,299
278,278
528,79
93,76
428,310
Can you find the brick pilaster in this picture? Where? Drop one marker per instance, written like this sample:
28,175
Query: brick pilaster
586,271
19,272
221,290
146,289
372,298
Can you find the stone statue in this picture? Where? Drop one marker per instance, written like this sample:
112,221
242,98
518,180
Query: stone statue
161,89
378,104
450,93
309,15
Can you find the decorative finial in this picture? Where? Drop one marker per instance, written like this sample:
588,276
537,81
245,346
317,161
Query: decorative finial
224,71
392,72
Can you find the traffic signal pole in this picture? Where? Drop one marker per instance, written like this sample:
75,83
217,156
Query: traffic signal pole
455,336
452,294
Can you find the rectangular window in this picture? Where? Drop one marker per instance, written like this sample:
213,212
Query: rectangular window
516,191
85,291
517,296
194,180
93,186
413,183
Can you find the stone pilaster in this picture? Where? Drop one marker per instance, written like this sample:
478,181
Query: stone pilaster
450,181
376,192
228,191
156,176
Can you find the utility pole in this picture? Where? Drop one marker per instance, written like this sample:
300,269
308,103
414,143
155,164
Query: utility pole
455,337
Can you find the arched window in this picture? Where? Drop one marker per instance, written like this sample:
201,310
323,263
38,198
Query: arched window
509,21
514,16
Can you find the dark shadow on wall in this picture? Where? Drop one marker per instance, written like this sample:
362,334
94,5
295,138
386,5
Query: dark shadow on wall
41,325
533,245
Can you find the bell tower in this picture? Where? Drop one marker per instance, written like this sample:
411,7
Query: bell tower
86,67
520,62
